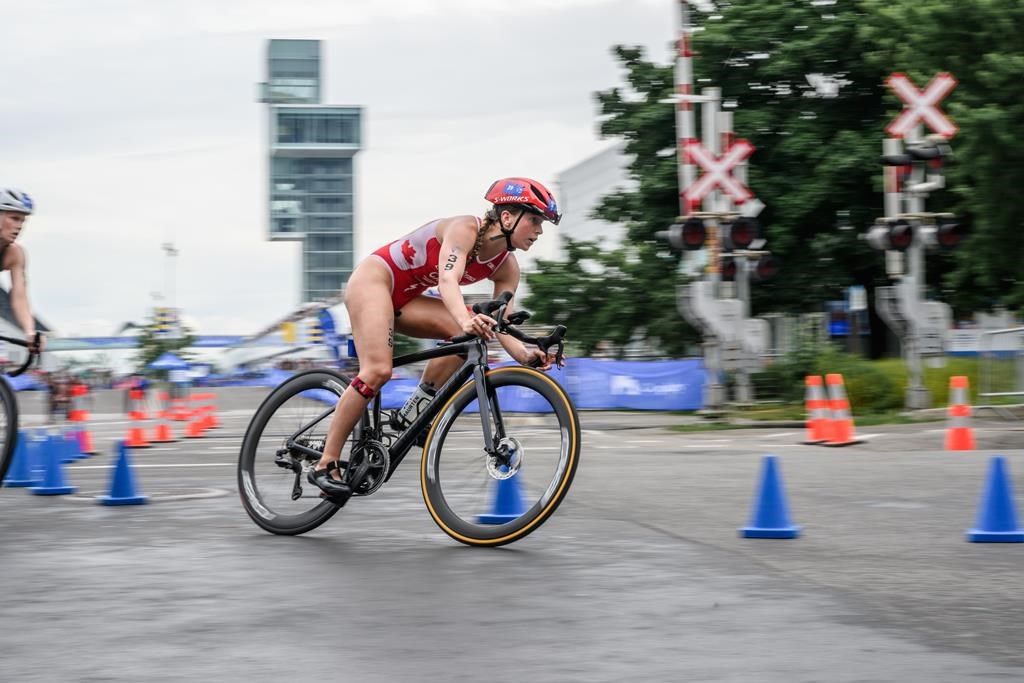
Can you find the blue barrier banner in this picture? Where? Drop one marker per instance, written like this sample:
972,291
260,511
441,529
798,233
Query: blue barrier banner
592,383
26,382
611,384
397,391
638,385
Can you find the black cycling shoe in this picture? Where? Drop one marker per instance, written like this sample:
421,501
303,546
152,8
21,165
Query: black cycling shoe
338,492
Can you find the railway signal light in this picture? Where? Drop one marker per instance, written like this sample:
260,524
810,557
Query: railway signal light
686,236
727,268
895,235
765,268
739,234
949,233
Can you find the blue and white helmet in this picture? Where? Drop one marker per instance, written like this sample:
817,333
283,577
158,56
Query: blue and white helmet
15,200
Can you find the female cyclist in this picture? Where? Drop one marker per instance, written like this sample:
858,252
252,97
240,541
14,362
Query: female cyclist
385,295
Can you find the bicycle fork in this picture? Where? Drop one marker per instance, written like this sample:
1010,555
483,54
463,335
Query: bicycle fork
487,399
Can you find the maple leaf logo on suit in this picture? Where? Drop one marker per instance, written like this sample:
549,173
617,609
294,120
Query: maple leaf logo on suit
408,251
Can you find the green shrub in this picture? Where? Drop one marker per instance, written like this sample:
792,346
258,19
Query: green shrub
872,386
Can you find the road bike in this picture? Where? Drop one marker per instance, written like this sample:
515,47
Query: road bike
504,437
9,406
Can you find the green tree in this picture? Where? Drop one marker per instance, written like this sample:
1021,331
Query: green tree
153,343
816,165
817,162
979,42
619,294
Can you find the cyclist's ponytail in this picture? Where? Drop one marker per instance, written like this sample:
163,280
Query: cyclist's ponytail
490,218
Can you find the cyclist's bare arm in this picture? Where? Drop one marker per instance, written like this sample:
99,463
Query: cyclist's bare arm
459,238
14,261
506,279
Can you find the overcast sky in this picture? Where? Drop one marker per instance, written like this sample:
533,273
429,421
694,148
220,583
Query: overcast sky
134,123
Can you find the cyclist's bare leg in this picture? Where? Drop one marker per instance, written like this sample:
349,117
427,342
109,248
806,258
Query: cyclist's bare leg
368,300
427,317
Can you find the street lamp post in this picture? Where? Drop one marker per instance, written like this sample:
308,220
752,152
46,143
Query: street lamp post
170,251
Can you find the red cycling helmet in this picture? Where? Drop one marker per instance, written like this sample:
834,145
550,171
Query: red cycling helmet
529,194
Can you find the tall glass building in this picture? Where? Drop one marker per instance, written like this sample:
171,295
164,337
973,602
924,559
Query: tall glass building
312,146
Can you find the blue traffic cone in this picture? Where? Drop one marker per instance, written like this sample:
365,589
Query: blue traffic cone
20,474
70,448
53,483
36,460
997,517
769,516
508,502
122,482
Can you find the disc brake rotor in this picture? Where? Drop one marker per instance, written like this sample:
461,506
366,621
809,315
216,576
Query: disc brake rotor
499,469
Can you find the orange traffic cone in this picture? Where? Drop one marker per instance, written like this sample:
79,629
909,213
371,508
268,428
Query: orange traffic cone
179,409
163,434
818,417
194,429
213,421
85,441
78,413
136,438
137,397
840,432
959,434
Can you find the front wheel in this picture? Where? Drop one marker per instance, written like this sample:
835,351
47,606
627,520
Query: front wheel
484,501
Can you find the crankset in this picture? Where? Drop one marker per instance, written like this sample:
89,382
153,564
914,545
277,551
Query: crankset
368,467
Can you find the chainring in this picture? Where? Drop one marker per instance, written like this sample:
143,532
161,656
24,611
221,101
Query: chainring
380,463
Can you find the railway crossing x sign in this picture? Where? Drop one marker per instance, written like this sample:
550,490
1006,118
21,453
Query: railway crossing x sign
919,105
718,172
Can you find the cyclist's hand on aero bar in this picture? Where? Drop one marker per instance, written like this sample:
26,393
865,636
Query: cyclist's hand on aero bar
36,343
535,358
480,325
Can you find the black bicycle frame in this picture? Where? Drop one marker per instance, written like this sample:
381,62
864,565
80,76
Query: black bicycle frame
475,367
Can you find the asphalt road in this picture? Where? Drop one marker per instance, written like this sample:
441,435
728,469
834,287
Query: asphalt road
639,576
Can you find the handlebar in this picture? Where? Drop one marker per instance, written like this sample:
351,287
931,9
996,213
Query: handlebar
32,355
507,326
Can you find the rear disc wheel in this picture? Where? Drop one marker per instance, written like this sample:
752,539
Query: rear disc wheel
271,472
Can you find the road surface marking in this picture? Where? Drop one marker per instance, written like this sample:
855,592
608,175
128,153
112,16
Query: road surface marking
145,465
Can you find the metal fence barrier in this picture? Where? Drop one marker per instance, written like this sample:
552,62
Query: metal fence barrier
1002,363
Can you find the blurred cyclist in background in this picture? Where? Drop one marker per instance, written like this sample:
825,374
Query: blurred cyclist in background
15,208
384,295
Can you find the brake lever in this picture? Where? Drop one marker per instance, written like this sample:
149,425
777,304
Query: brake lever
559,356
518,318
